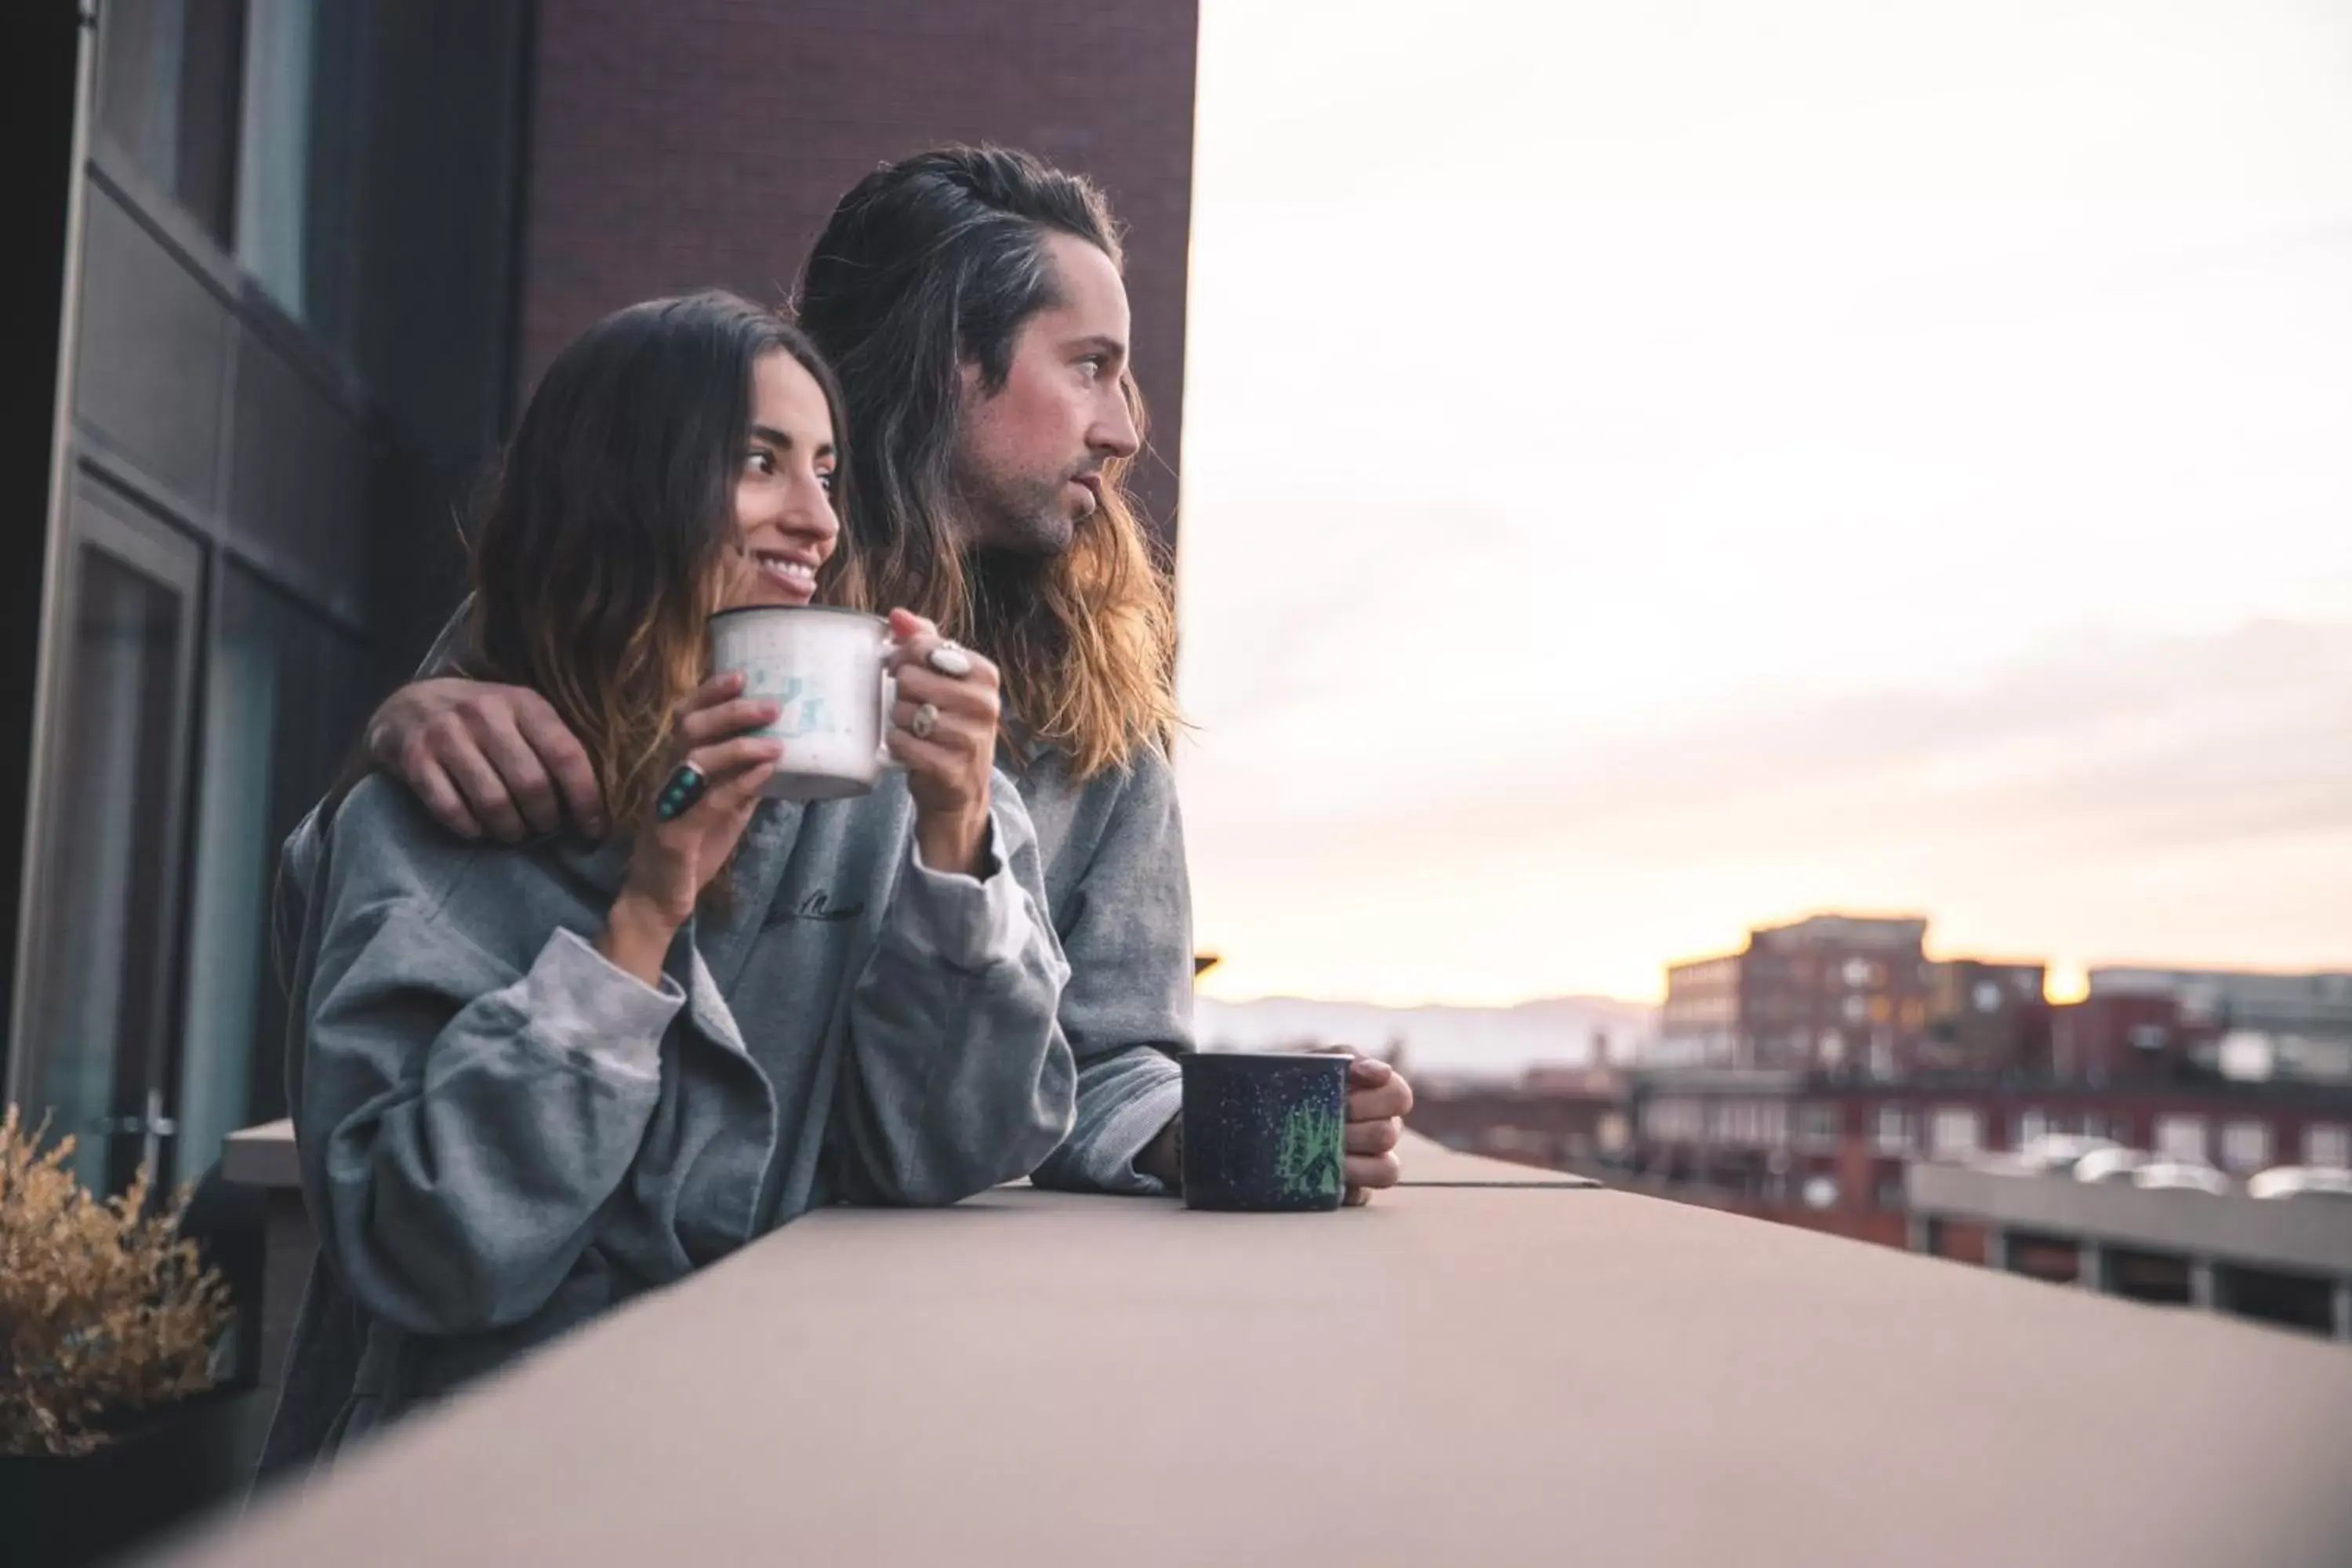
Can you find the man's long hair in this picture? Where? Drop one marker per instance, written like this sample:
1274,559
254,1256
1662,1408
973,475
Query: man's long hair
928,265
601,557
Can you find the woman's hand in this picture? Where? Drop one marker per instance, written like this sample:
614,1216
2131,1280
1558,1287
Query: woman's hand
671,862
947,769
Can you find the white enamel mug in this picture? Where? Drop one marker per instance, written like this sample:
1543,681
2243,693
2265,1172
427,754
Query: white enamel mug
823,666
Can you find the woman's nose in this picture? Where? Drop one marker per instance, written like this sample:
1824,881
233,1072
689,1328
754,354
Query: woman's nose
811,511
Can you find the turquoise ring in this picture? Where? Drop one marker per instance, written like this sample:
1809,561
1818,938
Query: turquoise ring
679,795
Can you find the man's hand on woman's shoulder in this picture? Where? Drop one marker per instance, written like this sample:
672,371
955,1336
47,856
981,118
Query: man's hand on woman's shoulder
485,759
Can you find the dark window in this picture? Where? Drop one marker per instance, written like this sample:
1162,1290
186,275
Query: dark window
170,81
101,953
296,165
280,702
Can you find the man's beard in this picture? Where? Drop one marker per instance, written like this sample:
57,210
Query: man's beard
1027,516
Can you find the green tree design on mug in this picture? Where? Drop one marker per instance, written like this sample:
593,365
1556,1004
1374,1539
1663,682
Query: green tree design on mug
1313,1154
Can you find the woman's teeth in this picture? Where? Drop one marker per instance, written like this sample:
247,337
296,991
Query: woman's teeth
790,574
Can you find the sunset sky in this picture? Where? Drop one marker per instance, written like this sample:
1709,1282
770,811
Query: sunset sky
1655,469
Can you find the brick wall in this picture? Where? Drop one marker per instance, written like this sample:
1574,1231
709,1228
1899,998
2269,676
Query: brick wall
680,144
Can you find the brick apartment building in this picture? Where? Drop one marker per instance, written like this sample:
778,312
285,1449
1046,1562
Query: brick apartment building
1798,1078
1831,1151
1856,996
2109,1037
1833,993
2304,1022
1985,1017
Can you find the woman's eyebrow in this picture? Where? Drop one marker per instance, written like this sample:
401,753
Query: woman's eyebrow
770,435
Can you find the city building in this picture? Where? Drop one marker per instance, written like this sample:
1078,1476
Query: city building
1803,1077
2287,1025
1832,1151
1777,1135
2287,1261
1569,1117
1984,1016
1837,993
2127,1036
267,334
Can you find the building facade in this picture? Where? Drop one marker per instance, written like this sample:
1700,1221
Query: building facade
1833,1152
1984,1016
2294,1025
1837,993
303,258
279,247
2284,1262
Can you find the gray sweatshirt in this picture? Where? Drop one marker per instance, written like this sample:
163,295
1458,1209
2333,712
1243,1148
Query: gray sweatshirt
1121,903
1121,898
502,1134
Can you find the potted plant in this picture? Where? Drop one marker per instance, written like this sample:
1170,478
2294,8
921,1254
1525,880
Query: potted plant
108,1426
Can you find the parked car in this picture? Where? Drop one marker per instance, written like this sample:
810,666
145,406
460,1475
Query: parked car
2300,1182
2115,1165
2181,1176
2058,1153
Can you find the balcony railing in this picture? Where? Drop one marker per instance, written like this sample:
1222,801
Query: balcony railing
1492,1365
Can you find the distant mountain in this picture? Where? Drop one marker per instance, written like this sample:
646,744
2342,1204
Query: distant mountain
1452,1042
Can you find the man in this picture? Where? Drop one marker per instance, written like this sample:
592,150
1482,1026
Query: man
971,302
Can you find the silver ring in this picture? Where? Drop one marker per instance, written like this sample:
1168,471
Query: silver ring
926,719
949,660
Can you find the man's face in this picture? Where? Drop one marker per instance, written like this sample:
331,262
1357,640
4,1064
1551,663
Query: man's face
1029,456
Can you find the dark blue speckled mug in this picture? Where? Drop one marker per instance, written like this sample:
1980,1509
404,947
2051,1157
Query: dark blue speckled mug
1264,1130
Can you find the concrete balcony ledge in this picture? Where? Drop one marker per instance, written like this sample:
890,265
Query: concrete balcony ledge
262,1156
1461,1374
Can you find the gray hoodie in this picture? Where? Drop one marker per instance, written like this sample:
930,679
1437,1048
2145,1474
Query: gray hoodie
502,1134
1121,901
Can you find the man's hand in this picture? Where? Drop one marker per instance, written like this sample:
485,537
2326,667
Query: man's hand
1378,1098
486,759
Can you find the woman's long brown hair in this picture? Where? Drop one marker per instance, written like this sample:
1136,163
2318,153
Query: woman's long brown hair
599,561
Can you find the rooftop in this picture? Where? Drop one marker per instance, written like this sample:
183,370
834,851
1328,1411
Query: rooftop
2309,1236
1492,1365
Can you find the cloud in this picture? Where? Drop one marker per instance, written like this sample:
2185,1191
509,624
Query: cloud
2111,797
1652,471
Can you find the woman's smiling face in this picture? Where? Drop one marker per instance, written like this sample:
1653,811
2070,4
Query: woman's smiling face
784,522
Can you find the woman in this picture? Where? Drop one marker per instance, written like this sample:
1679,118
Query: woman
531,1081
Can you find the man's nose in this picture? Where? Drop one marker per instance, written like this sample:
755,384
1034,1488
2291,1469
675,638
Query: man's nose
1114,434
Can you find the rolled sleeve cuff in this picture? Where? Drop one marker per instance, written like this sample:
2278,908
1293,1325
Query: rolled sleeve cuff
967,921
1099,1155
1110,1162
583,1004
